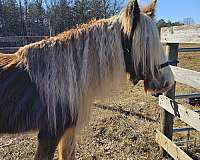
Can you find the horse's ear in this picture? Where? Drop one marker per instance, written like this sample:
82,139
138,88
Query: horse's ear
150,9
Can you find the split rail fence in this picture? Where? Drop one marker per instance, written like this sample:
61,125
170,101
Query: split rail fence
172,37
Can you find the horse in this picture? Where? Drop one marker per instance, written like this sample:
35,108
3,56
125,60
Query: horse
48,86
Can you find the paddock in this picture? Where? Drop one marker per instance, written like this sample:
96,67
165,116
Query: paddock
122,125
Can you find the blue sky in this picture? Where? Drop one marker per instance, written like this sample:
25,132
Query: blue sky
176,10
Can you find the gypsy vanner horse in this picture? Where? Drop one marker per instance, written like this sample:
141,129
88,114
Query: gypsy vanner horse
50,85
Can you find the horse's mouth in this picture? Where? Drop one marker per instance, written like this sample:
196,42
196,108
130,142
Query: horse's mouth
161,89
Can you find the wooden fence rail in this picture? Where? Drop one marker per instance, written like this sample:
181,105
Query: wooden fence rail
170,147
8,49
187,115
186,76
172,37
181,34
21,38
11,44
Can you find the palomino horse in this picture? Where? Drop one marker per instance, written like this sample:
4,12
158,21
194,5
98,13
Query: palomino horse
49,85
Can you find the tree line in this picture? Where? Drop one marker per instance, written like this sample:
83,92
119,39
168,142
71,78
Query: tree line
50,17
162,23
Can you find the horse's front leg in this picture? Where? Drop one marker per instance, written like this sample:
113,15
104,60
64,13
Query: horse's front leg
67,144
46,146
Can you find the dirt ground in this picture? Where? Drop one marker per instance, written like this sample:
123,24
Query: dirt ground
121,127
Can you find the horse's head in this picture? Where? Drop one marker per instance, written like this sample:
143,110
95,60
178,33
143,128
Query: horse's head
143,50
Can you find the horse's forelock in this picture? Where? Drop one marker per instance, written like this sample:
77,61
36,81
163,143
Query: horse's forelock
129,17
154,52
144,56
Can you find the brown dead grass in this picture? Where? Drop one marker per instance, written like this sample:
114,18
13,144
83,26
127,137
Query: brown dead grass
122,126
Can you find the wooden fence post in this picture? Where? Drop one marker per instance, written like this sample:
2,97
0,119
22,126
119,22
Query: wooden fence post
166,117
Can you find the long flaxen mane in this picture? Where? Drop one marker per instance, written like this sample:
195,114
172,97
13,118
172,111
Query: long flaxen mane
72,68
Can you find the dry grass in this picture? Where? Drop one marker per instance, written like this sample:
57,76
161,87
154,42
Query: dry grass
121,127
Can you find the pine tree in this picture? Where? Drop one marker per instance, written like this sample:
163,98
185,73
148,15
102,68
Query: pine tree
22,20
81,11
36,19
96,8
11,18
65,15
1,18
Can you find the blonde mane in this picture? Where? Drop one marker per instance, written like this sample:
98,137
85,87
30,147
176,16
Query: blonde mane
72,68
75,66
